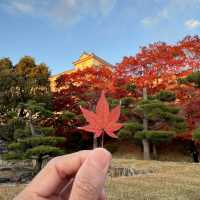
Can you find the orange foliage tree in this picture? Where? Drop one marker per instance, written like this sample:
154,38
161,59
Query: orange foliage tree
158,67
83,88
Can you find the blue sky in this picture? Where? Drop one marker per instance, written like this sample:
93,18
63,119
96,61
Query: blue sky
56,32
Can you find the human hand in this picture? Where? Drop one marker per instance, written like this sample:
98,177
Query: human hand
78,176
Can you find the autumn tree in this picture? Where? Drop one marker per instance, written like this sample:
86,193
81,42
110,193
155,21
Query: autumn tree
159,65
189,90
79,87
66,124
191,105
83,87
189,94
190,45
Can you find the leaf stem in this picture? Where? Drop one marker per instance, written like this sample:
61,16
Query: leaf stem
102,139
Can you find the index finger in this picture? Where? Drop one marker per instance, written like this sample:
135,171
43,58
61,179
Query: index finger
55,172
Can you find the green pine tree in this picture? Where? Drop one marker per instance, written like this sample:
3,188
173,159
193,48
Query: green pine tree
31,141
193,78
153,121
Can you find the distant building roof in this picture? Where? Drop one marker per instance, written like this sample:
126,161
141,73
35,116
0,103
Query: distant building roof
64,72
84,57
85,60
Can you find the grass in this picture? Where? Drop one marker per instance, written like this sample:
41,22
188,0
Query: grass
169,181
8,192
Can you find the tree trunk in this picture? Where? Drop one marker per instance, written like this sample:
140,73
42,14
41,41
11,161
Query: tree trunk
21,113
145,93
95,145
146,152
155,154
195,153
145,142
31,125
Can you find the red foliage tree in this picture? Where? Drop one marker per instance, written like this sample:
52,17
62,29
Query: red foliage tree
158,65
85,86
81,85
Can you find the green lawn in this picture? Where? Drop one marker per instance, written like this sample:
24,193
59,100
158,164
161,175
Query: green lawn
168,181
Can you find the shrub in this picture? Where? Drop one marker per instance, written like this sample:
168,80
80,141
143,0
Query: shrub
112,147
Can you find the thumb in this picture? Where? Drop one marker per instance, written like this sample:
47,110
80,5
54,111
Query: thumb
90,179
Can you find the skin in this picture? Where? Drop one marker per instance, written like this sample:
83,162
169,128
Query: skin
78,176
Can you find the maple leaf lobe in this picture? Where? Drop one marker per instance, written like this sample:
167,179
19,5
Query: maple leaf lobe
103,120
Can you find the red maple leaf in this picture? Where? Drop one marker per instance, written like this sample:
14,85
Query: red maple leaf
103,121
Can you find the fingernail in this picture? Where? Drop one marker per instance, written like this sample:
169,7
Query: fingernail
101,158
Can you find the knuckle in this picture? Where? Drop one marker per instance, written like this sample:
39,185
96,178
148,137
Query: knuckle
53,161
86,188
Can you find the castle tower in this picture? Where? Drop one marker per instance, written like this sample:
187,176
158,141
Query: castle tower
84,61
